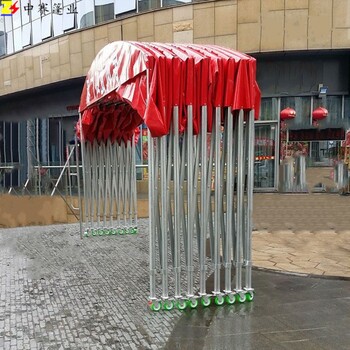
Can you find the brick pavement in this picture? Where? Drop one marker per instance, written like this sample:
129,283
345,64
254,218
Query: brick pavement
304,233
60,292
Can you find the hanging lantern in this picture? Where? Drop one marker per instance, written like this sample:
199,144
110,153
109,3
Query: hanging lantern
287,113
319,113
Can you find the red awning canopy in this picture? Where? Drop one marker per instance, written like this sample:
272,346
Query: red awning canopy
131,82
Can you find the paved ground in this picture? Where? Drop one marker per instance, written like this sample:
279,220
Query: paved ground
58,292
306,233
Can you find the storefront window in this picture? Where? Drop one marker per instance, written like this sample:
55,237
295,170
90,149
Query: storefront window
347,109
302,106
269,109
334,106
264,164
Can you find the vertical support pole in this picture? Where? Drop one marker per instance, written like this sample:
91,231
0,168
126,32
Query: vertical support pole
164,219
190,203
250,187
37,134
218,203
77,146
229,201
151,206
240,201
204,202
177,213
152,231
134,193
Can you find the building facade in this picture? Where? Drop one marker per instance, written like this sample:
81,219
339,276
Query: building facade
46,49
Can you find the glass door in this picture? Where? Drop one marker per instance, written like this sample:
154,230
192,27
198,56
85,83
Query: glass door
266,159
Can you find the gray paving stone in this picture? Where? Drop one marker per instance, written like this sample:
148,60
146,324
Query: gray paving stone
60,292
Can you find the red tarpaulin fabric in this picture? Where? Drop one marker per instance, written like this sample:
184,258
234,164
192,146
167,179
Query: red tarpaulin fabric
130,83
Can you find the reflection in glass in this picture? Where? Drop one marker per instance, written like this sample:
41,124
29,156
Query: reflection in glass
269,109
69,17
104,10
347,109
122,6
36,27
175,2
57,21
17,34
26,10
85,15
146,5
302,106
2,41
264,164
8,24
26,35
334,106
35,12
46,26
16,18
9,42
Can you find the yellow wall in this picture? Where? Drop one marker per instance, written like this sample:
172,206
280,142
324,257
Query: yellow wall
245,25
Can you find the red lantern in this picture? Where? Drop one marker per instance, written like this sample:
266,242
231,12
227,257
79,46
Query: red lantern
319,113
287,113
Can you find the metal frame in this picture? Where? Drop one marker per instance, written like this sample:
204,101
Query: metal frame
220,211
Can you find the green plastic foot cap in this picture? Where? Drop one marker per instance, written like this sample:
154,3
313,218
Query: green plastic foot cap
168,305
205,301
241,298
219,300
193,303
250,296
155,306
230,299
181,304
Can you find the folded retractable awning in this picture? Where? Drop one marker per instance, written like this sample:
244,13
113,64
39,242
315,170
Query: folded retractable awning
130,83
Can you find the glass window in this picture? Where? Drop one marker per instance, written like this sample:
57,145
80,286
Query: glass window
16,17
46,26
334,106
104,10
302,106
9,42
85,15
17,33
146,5
8,24
269,109
36,27
35,12
69,16
175,2
26,34
57,18
122,6
2,37
347,108
26,10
